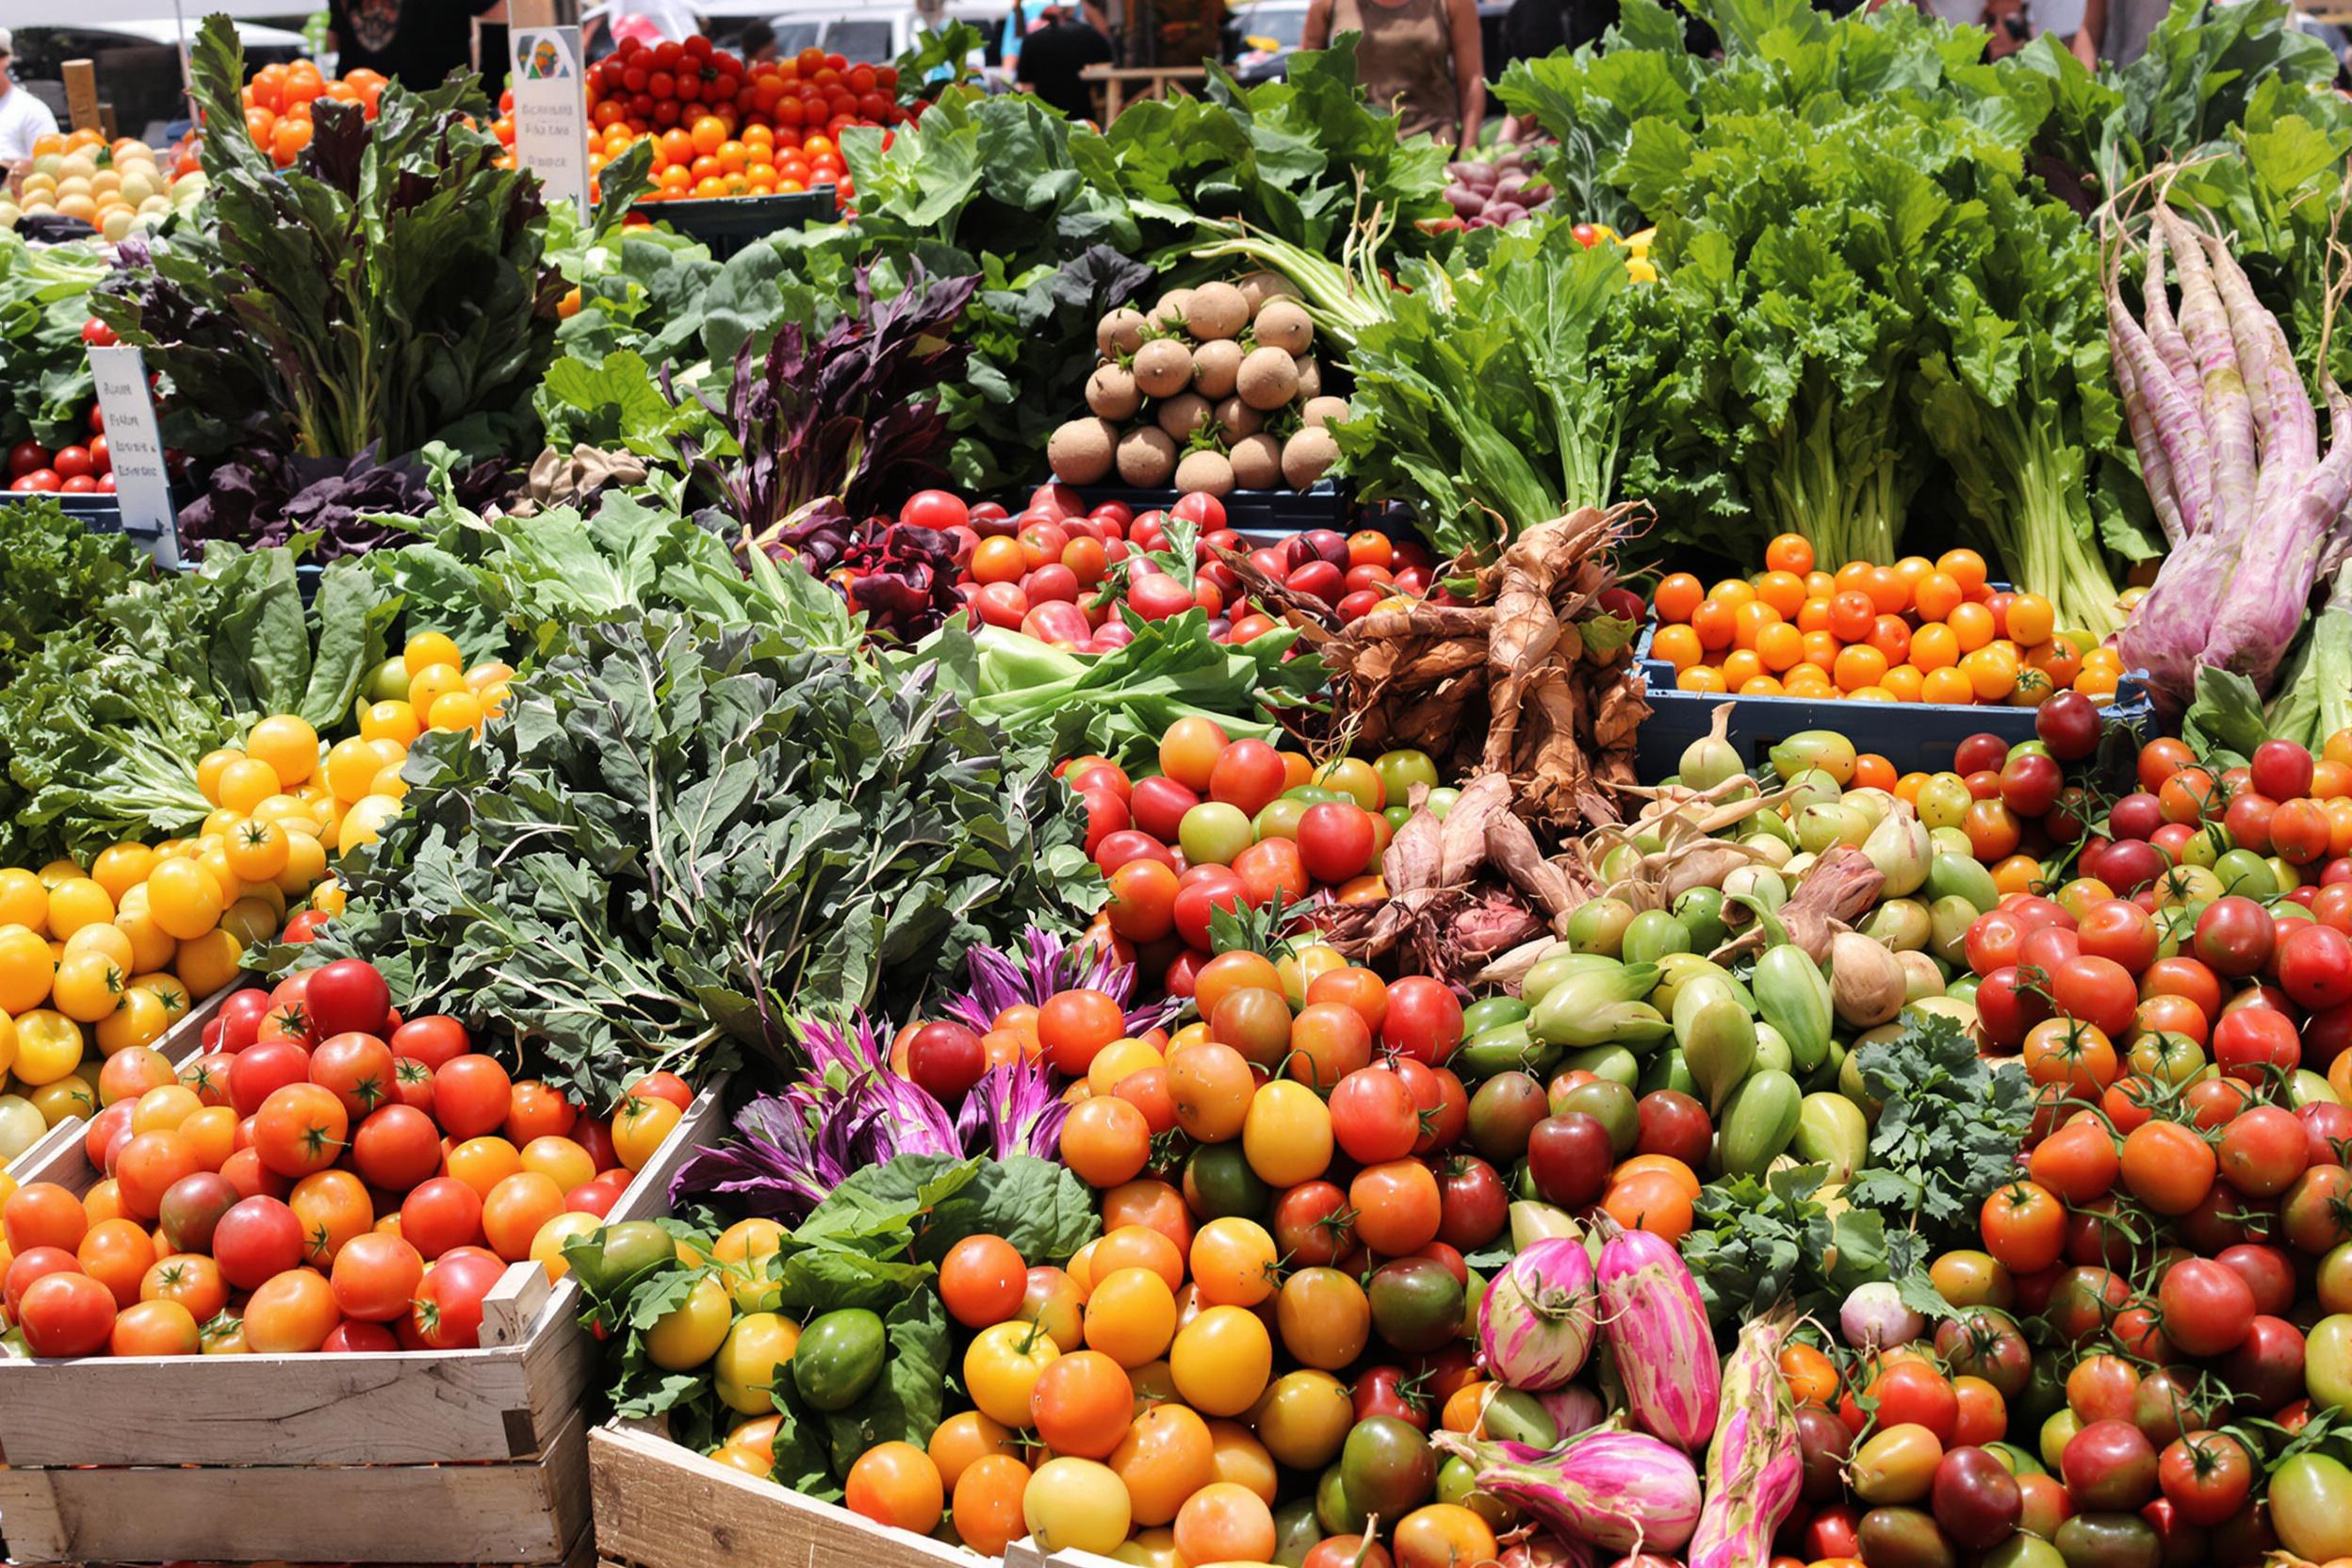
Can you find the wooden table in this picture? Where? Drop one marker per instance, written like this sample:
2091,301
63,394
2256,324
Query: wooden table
1122,83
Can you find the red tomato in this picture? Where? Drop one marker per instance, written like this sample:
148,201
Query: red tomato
471,1096
431,1039
257,1239
348,995
448,1309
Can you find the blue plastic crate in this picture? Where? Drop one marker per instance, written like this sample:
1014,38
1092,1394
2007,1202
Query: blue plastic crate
1913,736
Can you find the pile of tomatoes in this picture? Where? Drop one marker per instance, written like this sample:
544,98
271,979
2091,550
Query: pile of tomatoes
1058,570
83,467
278,104
324,1175
723,126
2163,1301
1230,826
1918,630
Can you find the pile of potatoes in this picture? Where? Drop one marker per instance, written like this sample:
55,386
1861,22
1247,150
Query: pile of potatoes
1213,389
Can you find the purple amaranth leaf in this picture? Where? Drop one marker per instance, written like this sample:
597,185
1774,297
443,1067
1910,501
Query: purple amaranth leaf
768,1169
1047,963
1014,1109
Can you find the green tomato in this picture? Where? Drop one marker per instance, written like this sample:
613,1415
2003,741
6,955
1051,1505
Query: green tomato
1213,833
1279,818
1399,771
2245,873
1944,801
1396,816
387,681
839,1357
1441,801
608,1259
2310,1506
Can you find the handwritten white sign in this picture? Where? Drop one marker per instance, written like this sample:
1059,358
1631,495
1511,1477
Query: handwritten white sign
551,110
134,442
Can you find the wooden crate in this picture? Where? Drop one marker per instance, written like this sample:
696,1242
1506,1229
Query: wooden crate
456,1456
659,1505
181,1041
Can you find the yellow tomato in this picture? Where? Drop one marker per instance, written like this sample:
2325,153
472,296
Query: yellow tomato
428,648
289,743
108,938
752,1359
349,766
26,970
48,1047
88,985
22,900
76,903
213,766
390,720
208,963
364,823
547,1248
137,1018
433,683
247,783
122,867
690,1333
639,1128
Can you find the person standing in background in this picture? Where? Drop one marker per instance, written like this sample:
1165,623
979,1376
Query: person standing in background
2117,30
1052,56
24,118
757,43
1423,59
415,43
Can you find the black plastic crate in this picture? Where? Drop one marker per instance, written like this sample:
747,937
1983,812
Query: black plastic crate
1913,736
728,224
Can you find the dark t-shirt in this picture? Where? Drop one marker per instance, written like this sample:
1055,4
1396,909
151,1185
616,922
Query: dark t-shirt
1051,59
416,42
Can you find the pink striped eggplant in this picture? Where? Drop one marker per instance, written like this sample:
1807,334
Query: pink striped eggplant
1536,1319
1656,1327
1620,1491
1754,1467
1574,1409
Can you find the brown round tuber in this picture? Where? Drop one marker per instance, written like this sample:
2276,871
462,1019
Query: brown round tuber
1204,470
1216,311
1308,455
1146,457
1268,379
1284,324
1310,376
1112,393
1163,367
1182,414
1169,310
1260,287
1319,412
1257,462
1235,419
1214,367
1118,333
1078,453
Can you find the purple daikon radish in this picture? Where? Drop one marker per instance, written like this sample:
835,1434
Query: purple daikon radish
1622,1491
1536,1319
2229,412
2170,415
1658,1335
2292,442
2163,333
1753,1466
2154,470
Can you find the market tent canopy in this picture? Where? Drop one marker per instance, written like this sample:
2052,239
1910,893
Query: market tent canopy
102,13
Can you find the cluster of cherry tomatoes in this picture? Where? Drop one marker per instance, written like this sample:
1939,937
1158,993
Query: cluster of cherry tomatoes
1918,630
723,126
278,104
1228,827
1058,570
324,1176
84,467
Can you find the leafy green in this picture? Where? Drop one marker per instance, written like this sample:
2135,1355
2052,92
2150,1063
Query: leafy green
388,289
1121,702
55,573
1494,400
2227,716
103,728
2017,395
1948,1131
1298,158
607,874
1756,1244
2313,698
44,299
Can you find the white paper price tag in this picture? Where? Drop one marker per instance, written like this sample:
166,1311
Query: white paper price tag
551,110
135,441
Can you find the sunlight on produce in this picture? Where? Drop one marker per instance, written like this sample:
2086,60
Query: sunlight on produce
943,834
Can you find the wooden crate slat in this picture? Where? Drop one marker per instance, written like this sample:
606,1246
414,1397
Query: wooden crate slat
488,1513
659,1505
